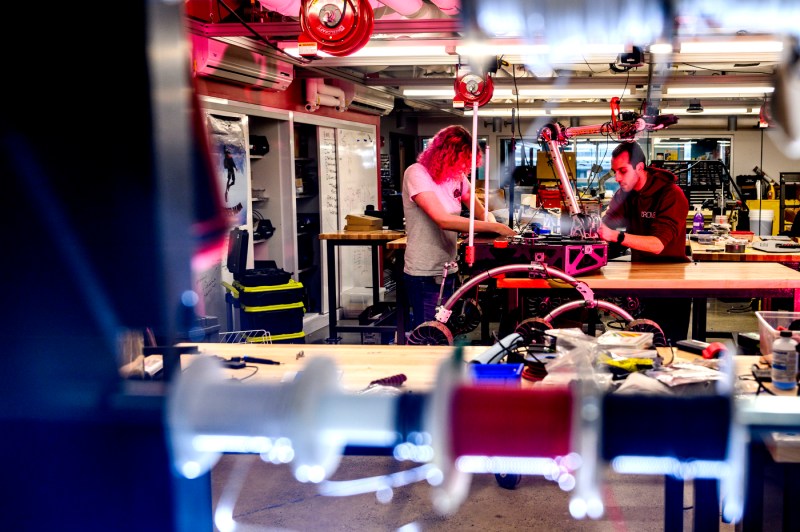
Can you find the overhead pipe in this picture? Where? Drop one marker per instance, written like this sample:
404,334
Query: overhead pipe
448,7
290,8
406,8
317,93
388,10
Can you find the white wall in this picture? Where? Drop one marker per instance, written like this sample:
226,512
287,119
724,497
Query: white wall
747,140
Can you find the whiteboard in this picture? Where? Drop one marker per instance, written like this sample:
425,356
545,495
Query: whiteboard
328,180
358,187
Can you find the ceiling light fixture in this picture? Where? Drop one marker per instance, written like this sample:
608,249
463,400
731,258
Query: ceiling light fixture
507,112
730,47
595,92
710,110
449,93
661,48
721,90
580,111
382,50
541,93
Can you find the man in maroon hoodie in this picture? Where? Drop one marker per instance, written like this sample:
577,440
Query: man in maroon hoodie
652,209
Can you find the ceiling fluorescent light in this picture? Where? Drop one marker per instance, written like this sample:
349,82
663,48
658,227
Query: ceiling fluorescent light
661,48
443,94
709,111
502,49
567,93
507,112
577,111
731,47
718,89
384,50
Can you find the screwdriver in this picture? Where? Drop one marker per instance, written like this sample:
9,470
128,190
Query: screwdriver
394,381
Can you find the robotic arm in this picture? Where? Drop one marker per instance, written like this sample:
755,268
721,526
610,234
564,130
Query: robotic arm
625,126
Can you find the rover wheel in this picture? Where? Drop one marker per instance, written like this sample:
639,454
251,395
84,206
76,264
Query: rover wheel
532,331
465,317
508,481
644,325
431,333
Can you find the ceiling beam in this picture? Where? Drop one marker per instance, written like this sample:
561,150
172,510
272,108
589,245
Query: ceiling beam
292,29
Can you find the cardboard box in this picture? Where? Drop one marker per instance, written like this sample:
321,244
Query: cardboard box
361,222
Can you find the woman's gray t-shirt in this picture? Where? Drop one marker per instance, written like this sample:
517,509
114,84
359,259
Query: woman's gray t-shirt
428,248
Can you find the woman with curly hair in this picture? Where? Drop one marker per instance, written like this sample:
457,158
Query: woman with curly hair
434,188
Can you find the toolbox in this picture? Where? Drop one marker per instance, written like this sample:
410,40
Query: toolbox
275,319
267,273
265,295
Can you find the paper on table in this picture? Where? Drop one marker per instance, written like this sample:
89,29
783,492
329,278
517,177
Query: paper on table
685,373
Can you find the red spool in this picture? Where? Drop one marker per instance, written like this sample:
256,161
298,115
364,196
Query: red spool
473,88
498,421
339,28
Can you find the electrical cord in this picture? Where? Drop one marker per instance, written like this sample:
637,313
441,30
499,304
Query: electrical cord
255,370
261,37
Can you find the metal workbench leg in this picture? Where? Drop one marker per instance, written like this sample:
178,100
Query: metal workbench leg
376,278
699,322
333,338
706,504
401,301
673,504
753,518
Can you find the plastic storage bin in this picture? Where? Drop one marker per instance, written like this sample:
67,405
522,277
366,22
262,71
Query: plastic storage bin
771,322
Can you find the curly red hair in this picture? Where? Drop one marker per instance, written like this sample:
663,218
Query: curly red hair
449,154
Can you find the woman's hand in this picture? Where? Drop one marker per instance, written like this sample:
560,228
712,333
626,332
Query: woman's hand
501,229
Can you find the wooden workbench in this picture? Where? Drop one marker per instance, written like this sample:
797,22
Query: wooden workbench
376,240
702,253
760,275
360,364
697,280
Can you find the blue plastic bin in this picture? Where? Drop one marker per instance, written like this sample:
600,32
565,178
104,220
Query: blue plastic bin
497,374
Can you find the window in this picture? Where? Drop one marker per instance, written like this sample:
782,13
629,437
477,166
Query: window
481,143
692,149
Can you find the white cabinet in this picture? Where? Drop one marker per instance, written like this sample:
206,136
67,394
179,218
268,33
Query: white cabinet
314,173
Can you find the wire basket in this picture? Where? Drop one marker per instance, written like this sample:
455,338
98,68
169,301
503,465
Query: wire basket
254,336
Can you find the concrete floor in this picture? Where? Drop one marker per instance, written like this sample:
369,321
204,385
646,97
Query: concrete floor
271,499
267,497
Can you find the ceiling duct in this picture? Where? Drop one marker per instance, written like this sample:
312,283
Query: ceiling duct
242,65
365,99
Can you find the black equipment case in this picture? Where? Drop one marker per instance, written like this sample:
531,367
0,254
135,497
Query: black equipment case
267,297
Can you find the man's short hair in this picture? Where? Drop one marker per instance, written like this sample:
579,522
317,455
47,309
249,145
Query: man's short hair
634,151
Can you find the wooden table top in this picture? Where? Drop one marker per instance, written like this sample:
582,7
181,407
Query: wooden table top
686,275
400,243
359,364
693,275
382,234
701,252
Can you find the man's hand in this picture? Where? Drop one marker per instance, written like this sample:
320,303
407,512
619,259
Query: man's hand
606,233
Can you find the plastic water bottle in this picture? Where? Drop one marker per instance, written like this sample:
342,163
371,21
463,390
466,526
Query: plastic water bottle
698,222
784,362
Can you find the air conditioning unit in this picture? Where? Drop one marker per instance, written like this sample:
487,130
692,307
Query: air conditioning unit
241,65
365,99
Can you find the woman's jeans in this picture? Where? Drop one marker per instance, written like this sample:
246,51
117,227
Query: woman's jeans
422,294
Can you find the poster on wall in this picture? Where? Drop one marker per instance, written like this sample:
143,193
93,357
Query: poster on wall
229,151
